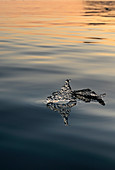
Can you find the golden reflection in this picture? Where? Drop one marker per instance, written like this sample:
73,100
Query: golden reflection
41,7
81,19
86,25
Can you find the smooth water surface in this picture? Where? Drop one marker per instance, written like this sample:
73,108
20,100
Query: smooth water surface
43,43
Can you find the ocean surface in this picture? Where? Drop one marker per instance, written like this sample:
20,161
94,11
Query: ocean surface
43,43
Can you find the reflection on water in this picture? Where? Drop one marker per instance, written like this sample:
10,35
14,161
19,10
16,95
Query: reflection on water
42,43
68,99
63,109
100,8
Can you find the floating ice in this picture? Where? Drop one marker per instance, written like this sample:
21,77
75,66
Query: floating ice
65,98
64,95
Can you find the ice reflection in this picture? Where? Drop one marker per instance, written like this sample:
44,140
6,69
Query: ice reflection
63,109
63,100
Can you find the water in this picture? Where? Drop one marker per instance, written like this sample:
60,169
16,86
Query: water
43,43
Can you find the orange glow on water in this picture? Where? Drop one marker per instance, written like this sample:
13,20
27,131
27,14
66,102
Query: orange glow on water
56,23
41,7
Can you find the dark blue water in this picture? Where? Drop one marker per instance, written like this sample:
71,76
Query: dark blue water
42,43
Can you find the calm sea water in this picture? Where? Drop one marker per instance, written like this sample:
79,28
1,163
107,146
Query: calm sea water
42,43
